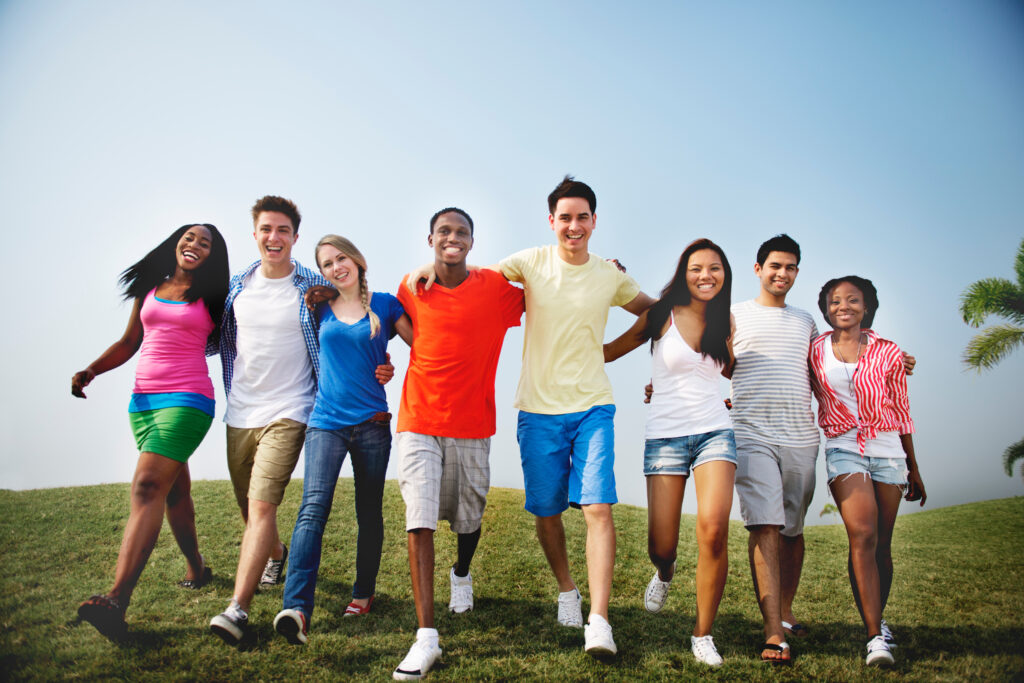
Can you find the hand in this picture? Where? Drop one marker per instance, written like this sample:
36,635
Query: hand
384,373
648,392
424,272
81,380
317,294
915,487
908,363
617,264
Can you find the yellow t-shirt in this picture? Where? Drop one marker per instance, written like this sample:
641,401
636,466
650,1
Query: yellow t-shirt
566,313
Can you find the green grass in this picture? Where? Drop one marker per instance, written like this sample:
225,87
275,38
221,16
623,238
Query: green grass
956,603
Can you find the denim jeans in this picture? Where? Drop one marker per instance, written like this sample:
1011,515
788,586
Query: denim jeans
370,446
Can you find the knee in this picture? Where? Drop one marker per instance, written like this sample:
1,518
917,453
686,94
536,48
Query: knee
261,511
598,514
863,537
660,556
147,488
713,535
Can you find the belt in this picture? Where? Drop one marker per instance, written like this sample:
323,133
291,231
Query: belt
380,417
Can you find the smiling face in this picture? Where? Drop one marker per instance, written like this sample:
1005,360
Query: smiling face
778,274
573,224
275,235
194,247
705,274
846,307
335,265
451,238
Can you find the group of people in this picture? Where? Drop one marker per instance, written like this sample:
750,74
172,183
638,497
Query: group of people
304,359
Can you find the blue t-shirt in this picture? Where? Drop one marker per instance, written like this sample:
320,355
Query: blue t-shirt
348,393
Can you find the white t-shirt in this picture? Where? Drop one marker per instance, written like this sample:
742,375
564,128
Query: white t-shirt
686,400
840,378
771,386
273,376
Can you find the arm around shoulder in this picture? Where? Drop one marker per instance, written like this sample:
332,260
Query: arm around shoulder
628,340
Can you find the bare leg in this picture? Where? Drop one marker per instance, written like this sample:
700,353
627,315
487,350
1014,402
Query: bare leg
855,496
181,517
600,555
258,543
421,568
791,564
714,484
154,476
763,550
466,549
664,505
551,534
888,497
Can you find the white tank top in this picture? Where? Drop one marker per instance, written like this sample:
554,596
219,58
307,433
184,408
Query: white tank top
686,396
840,377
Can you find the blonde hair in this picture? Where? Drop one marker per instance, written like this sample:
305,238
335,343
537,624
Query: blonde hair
346,247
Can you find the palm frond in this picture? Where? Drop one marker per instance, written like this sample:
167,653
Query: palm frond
1018,265
991,345
1011,455
992,296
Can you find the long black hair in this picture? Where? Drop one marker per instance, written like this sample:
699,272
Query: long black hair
209,281
677,293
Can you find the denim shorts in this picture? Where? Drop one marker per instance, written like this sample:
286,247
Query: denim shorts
680,454
840,463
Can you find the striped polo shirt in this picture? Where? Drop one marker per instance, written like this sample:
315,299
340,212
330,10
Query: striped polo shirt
771,389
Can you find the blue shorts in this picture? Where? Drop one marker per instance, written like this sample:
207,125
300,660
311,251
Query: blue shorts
680,454
567,459
840,463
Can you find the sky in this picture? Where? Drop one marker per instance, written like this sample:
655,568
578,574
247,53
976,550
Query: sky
885,137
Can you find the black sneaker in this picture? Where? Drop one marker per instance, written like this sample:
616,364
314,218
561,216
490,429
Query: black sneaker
230,624
273,573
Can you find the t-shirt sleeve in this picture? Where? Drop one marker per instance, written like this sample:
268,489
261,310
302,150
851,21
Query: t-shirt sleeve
626,289
512,304
514,267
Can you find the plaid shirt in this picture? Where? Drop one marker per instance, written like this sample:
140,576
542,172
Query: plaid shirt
303,278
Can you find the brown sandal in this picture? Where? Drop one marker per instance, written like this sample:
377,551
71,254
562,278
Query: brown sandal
106,614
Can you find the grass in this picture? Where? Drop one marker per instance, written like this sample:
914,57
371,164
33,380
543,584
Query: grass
955,606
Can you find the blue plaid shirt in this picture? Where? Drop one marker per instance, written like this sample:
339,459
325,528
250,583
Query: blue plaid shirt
303,278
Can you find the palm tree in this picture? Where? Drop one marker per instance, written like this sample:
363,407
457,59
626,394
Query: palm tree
996,296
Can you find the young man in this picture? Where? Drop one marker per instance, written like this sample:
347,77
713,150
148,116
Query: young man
776,437
566,433
447,417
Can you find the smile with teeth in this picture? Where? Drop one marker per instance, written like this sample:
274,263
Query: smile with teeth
189,255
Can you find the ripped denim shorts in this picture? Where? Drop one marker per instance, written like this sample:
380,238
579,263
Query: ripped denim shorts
839,463
680,454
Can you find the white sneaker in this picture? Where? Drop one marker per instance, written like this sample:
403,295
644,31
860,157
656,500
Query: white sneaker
597,637
570,612
656,593
879,653
703,649
462,592
291,623
887,634
422,656
230,624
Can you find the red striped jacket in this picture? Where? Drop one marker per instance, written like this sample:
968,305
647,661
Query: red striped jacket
880,383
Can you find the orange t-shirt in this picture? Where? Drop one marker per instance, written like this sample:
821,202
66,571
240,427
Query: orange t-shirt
456,341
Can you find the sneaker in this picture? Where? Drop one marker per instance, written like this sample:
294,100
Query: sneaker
274,571
422,656
462,593
703,649
890,639
230,624
879,653
597,637
570,612
291,623
656,593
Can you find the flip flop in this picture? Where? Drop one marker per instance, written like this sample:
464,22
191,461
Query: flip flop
196,584
783,648
105,613
357,610
798,630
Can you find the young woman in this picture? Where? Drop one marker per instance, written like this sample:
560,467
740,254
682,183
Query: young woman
860,383
688,427
350,416
179,290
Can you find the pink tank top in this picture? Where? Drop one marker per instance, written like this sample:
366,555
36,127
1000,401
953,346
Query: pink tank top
173,354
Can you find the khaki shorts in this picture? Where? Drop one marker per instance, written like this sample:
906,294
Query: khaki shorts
775,484
443,478
261,460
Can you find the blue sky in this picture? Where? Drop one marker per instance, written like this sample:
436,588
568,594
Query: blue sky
884,137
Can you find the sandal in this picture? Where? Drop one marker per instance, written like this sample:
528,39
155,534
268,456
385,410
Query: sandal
105,613
196,584
798,630
356,610
782,648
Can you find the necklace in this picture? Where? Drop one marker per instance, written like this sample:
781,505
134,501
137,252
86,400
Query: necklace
849,377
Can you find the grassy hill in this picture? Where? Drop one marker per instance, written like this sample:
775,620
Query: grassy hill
956,604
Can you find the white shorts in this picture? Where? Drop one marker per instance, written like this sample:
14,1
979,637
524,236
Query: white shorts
443,478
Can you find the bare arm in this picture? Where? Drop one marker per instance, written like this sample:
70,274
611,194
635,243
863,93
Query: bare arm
403,326
627,341
638,304
117,355
731,365
915,486
427,273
